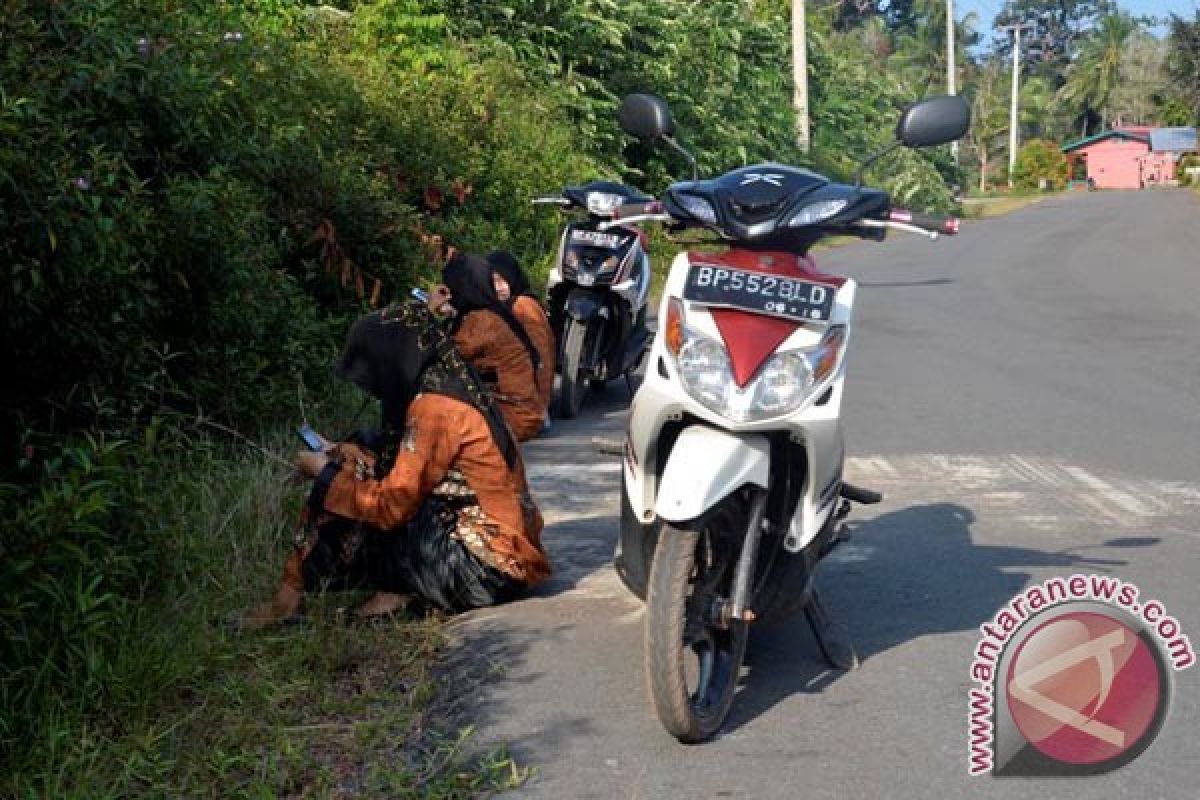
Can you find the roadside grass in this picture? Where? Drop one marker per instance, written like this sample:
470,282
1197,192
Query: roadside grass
193,708
999,205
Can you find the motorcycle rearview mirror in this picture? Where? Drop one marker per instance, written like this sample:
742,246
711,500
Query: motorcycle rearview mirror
933,121
648,118
645,116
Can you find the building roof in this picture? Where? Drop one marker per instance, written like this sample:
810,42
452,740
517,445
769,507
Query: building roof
1067,148
1173,140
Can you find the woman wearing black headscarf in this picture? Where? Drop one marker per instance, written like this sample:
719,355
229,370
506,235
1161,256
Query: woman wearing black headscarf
495,343
439,507
513,289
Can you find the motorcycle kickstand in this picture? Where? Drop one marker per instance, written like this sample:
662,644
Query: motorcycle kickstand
832,637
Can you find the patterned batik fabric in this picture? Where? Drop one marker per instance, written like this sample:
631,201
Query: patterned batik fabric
473,527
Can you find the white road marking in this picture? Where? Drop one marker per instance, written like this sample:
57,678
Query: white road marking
1010,482
1042,493
541,472
1034,494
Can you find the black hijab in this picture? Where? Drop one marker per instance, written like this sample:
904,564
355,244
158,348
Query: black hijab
469,279
395,354
505,264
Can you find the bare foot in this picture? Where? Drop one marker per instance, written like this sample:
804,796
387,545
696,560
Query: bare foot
285,604
381,605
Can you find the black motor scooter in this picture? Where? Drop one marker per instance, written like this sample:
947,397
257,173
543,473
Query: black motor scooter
597,292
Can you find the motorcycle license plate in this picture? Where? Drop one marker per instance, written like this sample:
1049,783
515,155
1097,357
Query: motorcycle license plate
597,239
764,294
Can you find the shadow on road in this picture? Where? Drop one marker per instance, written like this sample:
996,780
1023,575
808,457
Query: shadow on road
481,672
577,548
904,575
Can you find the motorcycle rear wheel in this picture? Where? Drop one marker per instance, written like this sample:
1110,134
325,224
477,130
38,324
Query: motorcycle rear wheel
684,646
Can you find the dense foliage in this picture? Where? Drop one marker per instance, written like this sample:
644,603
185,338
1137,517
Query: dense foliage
195,197
1183,69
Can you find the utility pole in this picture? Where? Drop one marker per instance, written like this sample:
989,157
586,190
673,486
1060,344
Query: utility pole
800,74
1013,123
951,88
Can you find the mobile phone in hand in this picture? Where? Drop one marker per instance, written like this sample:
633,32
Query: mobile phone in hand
420,294
311,438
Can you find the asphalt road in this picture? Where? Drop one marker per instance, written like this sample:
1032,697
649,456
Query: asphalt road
1028,396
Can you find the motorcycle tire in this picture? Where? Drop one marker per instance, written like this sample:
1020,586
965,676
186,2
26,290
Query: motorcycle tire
572,385
783,585
691,568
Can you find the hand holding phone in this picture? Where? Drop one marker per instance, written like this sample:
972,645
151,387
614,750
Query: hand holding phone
312,440
439,302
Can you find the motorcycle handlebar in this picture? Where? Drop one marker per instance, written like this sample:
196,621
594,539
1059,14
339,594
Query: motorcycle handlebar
634,219
638,209
557,200
934,223
931,225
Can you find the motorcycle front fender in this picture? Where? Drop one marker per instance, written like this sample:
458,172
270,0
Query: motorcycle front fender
705,466
583,305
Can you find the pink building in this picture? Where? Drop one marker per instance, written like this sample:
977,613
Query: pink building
1112,159
1130,158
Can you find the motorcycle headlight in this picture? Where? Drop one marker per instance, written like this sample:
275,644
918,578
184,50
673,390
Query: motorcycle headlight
782,385
786,382
704,369
817,212
698,208
603,204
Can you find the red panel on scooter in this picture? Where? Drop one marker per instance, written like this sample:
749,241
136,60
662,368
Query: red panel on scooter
750,339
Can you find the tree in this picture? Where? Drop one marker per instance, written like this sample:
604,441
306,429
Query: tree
1038,108
920,45
1058,26
1183,64
1136,98
989,114
1096,72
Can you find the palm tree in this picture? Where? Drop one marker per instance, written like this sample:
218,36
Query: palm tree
1096,71
920,49
1038,108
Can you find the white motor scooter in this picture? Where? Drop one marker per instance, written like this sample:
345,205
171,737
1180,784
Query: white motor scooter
732,485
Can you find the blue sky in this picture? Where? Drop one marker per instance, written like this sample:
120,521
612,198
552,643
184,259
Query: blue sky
987,9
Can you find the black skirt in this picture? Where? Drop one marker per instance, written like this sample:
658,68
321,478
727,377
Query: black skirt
420,558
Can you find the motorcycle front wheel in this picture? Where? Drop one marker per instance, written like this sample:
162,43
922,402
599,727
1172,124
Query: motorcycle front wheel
573,386
692,660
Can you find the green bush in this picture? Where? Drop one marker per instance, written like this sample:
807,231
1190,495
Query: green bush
85,547
1037,161
194,201
227,188
855,105
1181,170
